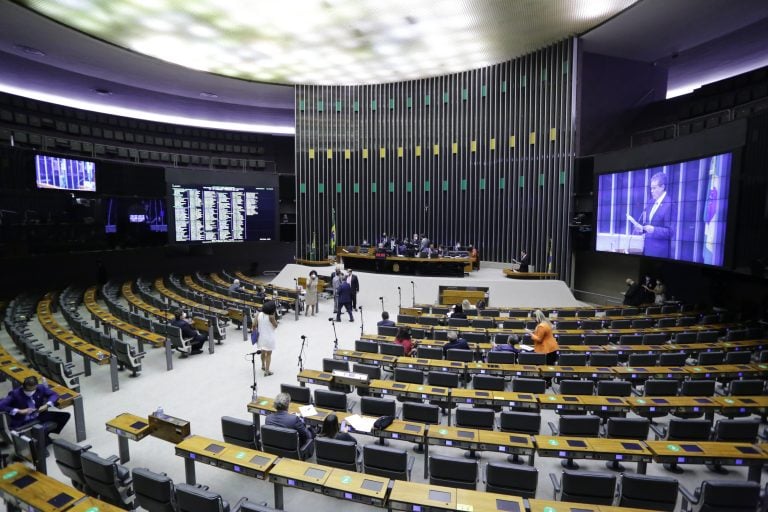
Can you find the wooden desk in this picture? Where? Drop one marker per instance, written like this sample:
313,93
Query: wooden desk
22,486
410,431
504,370
437,365
742,404
725,371
514,274
454,267
494,398
643,373
709,452
582,403
264,406
299,474
128,426
506,442
410,495
379,387
359,487
363,357
178,299
223,455
640,404
537,505
594,448
488,501
306,376
427,392
577,372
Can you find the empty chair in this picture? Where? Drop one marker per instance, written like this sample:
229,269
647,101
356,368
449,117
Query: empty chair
423,413
653,310
488,382
391,349
670,308
648,492
566,324
445,380
501,357
642,360
520,422
569,339
475,418
685,337
67,457
490,312
429,352
591,324
631,339
285,443
239,432
298,394
613,388
734,431
372,347
621,324
475,337
108,480
371,406
572,360
155,492
625,428
386,330
531,358
707,336
410,375
452,472
127,356
458,322
746,387
513,324
577,387
191,498
683,430
336,453
666,322
719,495
511,479
654,339
457,354
738,357
672,358
585,487
642,323
710,358
736,335
522,385
373,372
694,388
577,426
329,365
657,387
249,506
595,339
483,323
333,400
686,321
387,462
597,359
627,312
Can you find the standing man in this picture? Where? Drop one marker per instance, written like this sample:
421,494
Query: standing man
30,403
345,300
657,219
525,260
355,285
335,282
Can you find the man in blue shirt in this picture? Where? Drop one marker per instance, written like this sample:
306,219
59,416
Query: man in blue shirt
30,403
385,321
282,418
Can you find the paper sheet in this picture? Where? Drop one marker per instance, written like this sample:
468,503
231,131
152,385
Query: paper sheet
360,423
307,410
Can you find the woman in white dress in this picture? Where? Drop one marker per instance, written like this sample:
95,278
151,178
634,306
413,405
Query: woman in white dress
266,323
311,297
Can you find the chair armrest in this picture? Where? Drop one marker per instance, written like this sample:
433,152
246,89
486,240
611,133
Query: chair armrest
113,458
553,428
555,485
688,498
409,467
659,431
350,405
140,354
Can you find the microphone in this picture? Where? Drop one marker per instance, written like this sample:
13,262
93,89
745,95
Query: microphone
330,319
411,282
398,287
303,337
380,298
254,353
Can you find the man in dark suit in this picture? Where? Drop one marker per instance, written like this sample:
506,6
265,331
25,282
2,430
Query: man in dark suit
189,332
525,260
282,418
345,300
385,321
657,218
355,285
30,403
455,342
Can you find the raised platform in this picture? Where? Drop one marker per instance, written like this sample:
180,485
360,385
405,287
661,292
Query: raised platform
514,274
455,267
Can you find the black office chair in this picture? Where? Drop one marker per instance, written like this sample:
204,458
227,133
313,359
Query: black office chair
67,457
372,371
746,387
710,358
511,479
155,492
683,430
686,321
733,431
501,357
457,354
423,413
642,323
429,352
329,365
625,428
244,505
519,422
707,336
531,358
663,323
452,472
595,339
483,323
523,385
562,325
685,337
336,453
475,418
409,375
572,360
694,388
372,406
387,462
513,324
648,492
284,442
240,432
631,339
108,480
642,360
738,357
620,324
495,313
576,426
458,322
596,359
736,335
386,330
720,495
392,349
585,487
191,498
448,380
334,400
488,382
576,387
672,358
657,387
620,388
654,339
587,325
371,347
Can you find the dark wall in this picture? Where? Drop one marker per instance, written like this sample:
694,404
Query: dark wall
612,90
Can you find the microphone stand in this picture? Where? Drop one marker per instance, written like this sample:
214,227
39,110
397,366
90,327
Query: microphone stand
362,321
399,299
301,353
298,302
335,336
382,303
254,385
413,294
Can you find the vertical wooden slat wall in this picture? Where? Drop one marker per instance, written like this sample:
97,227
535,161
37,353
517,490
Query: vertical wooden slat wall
482,157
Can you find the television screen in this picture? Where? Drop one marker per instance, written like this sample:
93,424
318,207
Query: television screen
223,213
147,213
676,211
65,173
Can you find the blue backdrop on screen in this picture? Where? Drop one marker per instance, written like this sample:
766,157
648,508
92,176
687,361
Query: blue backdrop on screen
677,211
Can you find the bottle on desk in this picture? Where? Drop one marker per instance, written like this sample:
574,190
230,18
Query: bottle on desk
159,412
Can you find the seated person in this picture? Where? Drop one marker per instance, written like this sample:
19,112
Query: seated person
385,321
455,342
403,338
30,403
332,430
508,346
457,312
282,418
365,245
261,292
189,332
468,308
483,303
235,286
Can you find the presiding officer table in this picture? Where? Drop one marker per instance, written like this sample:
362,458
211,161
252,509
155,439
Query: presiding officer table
455,267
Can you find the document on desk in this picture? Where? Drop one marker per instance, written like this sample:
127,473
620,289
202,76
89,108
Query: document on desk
307,410
525,348
360,423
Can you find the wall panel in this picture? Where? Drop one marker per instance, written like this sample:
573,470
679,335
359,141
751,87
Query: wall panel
481,157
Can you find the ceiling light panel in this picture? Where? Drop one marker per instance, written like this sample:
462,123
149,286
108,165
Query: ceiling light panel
317,41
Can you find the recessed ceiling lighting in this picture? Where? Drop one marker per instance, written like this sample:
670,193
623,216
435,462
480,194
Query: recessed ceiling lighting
209,95
29,50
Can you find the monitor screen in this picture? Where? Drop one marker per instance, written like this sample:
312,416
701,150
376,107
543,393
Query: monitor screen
223,213
65,173
676,211
138,215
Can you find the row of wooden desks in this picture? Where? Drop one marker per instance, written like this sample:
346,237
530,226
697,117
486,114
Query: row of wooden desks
175,297
17,372
26,488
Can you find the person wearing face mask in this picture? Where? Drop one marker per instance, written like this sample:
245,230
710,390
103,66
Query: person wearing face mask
32,403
